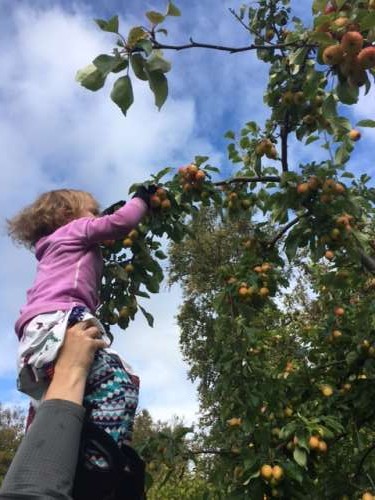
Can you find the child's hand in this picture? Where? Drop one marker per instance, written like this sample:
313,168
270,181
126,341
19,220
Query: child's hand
145,193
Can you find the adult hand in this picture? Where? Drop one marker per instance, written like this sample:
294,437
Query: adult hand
81,342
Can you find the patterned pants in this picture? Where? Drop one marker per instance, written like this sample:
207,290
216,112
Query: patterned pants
111,394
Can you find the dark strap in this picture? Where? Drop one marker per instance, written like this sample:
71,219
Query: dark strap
124,479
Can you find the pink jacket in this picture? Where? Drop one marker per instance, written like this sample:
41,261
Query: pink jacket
70,263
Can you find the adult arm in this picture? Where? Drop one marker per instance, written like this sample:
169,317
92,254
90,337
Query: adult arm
45,463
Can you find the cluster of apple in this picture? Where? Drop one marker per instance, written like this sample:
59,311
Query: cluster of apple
310,109
130,238
160,200
316,443
235,201
266,147
191,178
272,474
328,188
344,224
248,292
347,54
366,348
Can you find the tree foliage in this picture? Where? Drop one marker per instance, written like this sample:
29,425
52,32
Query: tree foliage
277,263
11,431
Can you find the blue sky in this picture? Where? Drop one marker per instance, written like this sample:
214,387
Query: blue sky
53,133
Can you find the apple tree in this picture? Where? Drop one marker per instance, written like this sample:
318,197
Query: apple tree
276,261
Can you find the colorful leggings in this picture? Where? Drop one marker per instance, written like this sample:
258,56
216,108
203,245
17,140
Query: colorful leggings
111,394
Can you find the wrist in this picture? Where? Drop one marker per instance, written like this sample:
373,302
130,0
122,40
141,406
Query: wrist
67,384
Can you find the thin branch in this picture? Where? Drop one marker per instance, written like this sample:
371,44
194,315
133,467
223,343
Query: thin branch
286,228
327,365
247,28
284,142
211,451
363,459
265,178
232,50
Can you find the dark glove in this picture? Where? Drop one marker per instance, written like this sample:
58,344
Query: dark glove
113,207
145,192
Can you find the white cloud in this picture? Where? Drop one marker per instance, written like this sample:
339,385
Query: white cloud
56,133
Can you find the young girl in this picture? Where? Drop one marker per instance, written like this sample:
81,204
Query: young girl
64,229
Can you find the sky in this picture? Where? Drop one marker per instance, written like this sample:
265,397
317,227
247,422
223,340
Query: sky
54,134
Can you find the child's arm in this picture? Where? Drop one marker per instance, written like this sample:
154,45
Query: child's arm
116,225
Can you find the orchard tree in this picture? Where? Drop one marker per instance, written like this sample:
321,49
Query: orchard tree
11,431
286,367
166,446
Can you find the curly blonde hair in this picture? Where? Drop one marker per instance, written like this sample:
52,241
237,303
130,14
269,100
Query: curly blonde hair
49,211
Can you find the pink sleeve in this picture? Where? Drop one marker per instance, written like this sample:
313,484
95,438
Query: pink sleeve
116,225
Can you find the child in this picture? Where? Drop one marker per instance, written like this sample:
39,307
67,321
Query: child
64,229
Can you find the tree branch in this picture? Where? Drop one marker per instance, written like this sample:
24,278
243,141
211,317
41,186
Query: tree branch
247,28
284,142
243,180
286,228
363,459
232,50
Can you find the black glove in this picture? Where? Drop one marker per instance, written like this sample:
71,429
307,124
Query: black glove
113,207
145,192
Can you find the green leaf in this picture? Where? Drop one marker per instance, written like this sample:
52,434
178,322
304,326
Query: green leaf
157,63
366,123
90,77
368,22
321,38
329,106
122,93
318,6
111,25
230,135
346,93
137,62
172,10
342,155
155,17
311,139
146,46
135,35
161,174
298,56
141,293
152,285
160,254
163,31
159,86
291,245
107,64
300,456
149,317
341,125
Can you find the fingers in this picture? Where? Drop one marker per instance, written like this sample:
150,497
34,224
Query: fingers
100,344
93,332
88,322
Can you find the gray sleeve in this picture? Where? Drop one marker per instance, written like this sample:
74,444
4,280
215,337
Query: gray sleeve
45,463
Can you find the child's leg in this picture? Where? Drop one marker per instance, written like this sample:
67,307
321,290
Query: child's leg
111,399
